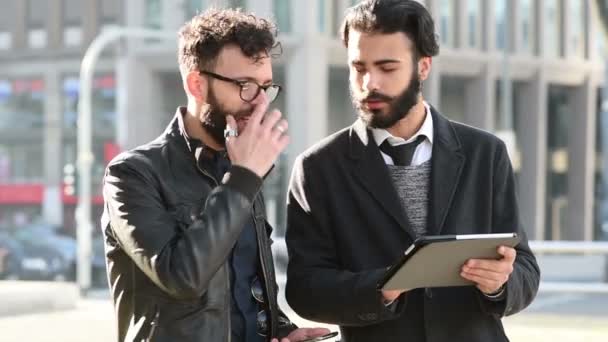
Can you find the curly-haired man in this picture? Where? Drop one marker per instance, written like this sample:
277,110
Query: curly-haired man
187,243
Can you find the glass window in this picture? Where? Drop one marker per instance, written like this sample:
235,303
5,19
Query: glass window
153,18
282,11
36,21
576,33
21,162
236,4
500,11
551,43
37,12
473,17
72,30
321,15
21,104
104,104
72,12
110,11
7,15
194,7
7,24
446,22
557,162
6,40
526,12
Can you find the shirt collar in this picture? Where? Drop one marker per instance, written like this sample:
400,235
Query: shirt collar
196,146
426,129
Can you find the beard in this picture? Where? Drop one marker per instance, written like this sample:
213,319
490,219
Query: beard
214,119
398,106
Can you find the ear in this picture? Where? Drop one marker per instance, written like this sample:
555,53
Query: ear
424,67
196,86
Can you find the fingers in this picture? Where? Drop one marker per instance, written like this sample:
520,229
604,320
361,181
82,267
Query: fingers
280,129
483,284
271,120
484,275
258,113
500,266
508,253
314,332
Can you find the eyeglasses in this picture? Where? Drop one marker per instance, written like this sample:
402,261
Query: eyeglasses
249,89
262,319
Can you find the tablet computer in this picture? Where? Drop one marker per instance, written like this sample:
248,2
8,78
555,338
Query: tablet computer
436,261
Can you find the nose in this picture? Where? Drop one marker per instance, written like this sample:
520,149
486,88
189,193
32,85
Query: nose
262,98
370,82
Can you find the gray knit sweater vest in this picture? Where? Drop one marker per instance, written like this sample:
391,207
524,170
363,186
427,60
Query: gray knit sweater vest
412,185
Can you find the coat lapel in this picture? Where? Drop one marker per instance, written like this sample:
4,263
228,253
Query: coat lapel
446,167
371,171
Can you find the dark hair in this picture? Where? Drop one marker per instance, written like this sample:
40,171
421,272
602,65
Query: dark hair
203,37
390,16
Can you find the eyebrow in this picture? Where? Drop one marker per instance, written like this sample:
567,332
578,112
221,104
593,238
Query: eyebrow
377,63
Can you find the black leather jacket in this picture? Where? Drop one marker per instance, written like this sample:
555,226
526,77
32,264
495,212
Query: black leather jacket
169,228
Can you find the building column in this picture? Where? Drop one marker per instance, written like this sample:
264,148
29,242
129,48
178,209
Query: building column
431,88
52,205
581,162
307,78
139,97
480,94
532,136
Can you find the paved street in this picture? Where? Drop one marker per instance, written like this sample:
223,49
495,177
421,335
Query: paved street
546,321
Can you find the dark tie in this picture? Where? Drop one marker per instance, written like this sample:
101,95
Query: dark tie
402,154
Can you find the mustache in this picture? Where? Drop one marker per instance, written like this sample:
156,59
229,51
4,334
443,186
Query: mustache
375,96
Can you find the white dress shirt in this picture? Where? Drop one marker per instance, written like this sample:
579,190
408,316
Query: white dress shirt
423,152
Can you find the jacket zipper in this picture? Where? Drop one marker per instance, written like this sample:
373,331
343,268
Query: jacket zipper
227,271
154,323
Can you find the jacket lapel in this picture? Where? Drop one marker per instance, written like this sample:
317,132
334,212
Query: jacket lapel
371,171
446,167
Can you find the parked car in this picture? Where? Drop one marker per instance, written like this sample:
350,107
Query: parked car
11,255
59,253
48,255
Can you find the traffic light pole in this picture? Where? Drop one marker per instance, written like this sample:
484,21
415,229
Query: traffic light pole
85,137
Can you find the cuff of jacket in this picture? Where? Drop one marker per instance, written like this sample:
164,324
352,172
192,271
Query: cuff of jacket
243,180
372,301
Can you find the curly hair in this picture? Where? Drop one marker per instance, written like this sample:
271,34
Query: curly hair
390,16
202,38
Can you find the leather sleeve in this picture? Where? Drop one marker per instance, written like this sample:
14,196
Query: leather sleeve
179,260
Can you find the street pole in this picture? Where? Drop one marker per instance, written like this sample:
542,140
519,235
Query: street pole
85,157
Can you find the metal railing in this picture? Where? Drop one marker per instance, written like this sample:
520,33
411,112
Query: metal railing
572,247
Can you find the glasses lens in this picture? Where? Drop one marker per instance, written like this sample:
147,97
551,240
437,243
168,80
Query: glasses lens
249,91
256,290
273,92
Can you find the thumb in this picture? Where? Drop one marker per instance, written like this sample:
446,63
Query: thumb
507,252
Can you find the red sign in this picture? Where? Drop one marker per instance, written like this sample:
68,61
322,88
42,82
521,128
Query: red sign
21,193
110,150
15,194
